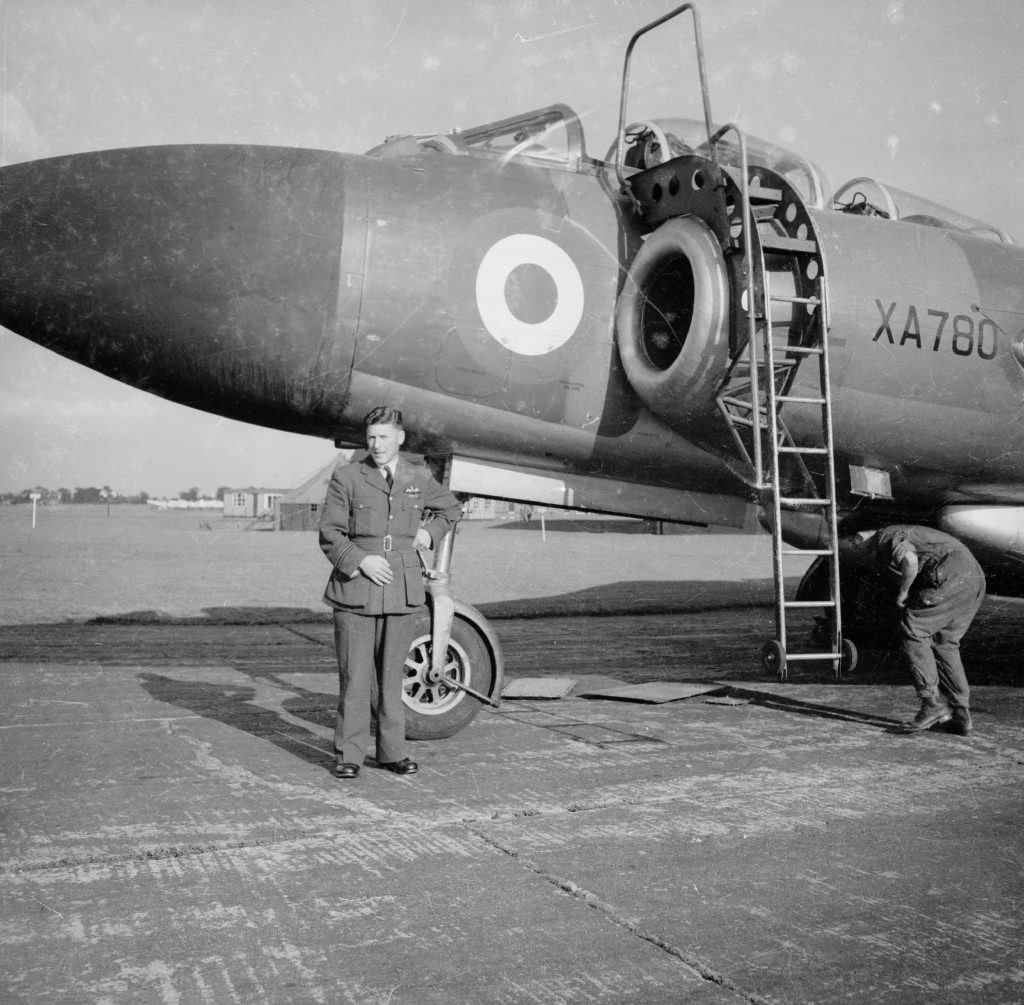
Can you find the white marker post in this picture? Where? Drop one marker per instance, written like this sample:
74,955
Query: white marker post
35,497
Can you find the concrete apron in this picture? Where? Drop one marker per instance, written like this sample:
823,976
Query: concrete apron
174,835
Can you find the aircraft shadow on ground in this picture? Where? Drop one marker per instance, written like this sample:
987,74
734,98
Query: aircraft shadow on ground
620,599
566,525
633,598
226,615
724,619
279,642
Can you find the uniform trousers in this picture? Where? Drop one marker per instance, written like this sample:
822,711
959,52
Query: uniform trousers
930,638
372,650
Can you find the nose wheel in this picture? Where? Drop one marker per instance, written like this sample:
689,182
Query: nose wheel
440,701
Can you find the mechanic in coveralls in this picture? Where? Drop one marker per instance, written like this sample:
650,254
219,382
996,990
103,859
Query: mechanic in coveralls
940,588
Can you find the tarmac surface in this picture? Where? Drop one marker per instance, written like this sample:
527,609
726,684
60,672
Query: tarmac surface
172,832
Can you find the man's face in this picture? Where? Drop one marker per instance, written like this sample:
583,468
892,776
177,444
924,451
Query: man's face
384,441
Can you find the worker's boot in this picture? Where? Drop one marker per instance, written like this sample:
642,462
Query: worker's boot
932,712
961,724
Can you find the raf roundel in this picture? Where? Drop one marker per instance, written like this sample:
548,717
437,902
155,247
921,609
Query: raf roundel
525,337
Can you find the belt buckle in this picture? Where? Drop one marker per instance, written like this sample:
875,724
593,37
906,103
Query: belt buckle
387,542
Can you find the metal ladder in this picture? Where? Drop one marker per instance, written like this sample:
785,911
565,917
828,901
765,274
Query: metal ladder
759,385
777,653
769,217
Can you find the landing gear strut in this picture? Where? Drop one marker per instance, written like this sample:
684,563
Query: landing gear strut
454,665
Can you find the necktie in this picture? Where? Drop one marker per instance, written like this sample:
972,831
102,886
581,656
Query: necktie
388,477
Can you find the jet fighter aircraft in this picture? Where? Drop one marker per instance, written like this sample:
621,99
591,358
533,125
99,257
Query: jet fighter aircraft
686,326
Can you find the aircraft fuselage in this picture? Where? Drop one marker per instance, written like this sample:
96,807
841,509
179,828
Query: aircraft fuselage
477,291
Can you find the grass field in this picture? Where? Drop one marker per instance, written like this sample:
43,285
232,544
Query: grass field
78,564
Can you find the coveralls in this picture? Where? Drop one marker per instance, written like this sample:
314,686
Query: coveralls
374,625
944,597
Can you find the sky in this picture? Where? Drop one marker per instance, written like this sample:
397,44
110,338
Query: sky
921,94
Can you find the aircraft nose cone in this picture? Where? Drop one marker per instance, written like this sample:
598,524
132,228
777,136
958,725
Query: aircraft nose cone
207,274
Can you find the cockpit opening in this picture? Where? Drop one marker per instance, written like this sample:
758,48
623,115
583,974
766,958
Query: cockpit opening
870,197
552,137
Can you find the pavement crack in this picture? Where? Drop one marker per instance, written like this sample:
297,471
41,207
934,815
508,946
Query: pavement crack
140,855
698,967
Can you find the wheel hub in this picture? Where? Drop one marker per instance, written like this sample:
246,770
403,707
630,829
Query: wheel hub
425,689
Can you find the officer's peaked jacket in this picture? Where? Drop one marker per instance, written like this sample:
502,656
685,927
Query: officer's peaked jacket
362,516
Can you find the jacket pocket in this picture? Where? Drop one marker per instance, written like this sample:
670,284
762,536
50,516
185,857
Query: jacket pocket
362,519
354,592
407,517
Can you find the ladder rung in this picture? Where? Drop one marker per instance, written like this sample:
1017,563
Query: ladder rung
782,366
814,656
812,501
803,450
806,551
799,400
795,300
807,350
808,603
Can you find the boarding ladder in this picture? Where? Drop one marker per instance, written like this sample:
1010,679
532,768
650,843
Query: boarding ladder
780,321
782,334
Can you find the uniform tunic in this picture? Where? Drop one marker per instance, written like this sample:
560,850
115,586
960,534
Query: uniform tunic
943,599
373,625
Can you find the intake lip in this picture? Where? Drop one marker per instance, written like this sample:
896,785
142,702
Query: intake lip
672,320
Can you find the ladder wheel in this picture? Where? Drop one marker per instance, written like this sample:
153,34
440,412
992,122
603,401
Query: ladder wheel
773,657
849,658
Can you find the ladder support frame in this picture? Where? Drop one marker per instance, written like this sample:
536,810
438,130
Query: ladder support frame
751,403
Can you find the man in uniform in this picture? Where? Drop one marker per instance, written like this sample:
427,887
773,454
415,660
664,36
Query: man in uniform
940,588
377,512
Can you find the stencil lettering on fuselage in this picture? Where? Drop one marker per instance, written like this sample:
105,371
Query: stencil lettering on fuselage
512,255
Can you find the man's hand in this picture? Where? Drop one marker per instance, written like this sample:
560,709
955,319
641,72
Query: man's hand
377,569
422,539
901,600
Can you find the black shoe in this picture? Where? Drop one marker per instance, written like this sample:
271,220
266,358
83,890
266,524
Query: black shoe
343,769
931,713
961,724
402,767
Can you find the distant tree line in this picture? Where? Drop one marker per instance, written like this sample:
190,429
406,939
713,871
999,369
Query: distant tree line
92,494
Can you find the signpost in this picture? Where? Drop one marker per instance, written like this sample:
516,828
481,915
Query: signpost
35,497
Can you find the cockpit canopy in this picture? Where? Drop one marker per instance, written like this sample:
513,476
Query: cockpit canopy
552,138
654,141
869,197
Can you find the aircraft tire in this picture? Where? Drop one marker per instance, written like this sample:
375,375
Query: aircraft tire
434,711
